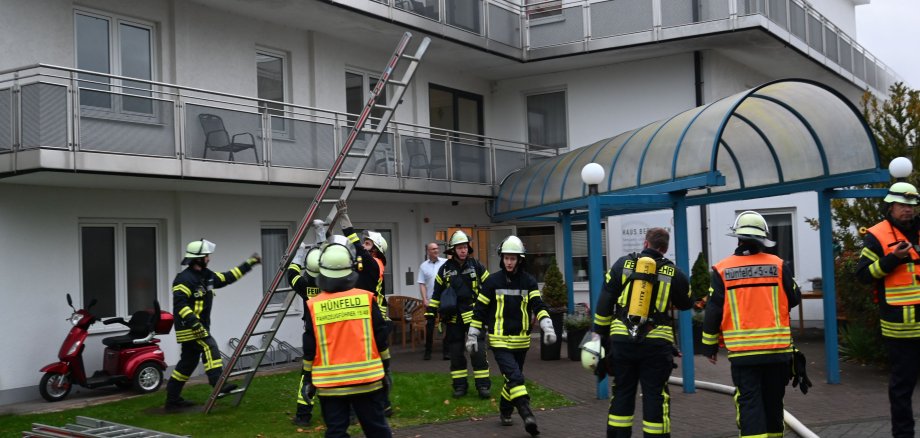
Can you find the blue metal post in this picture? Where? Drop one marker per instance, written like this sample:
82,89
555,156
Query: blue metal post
596,268
568,271
682,252
825,224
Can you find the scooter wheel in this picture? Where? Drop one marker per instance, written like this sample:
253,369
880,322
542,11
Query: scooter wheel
148,378
54,386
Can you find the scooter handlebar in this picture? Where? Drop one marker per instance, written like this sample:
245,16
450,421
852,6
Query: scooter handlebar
119,320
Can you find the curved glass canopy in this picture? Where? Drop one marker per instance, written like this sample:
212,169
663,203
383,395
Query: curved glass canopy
778,133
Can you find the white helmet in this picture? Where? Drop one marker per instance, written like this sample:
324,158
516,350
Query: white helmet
457,238
198,249
750,225
512,245
902,193
312,261
591,353
378,240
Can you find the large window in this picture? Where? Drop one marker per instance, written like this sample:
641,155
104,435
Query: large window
118,265
270,79
118,46
455,110
546,120
541,249
275,240
780,224
580,250
358,89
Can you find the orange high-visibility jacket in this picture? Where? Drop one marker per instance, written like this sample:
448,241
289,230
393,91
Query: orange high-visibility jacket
346,352
902,287
756,309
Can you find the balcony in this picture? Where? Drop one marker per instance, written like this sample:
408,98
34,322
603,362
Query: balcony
544,29
54,118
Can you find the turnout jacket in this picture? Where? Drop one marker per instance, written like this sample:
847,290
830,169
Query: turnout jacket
370,270
895,280
193,293
673,287
505,304
345,343
466,280
303,284
750,298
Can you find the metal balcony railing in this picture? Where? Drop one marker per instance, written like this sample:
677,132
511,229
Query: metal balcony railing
579,25
51,107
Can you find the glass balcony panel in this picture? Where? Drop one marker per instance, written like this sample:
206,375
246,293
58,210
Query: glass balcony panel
751,7
558,29
381,162
6,120
846,55
678,12
465,14
830,44
504,26
797,20
309,145
815,32
620,17
777,13
423,158
425,8
238,127
152,133
507,161
470,163
859,64
43,117
870,73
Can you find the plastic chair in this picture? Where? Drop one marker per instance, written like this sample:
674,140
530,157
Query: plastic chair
217,138
418,157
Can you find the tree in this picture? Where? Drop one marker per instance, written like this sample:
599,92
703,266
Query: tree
555,294
699,278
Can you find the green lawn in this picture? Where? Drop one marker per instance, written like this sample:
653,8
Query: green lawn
418,398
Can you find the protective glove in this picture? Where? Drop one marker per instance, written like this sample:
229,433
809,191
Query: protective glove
709,350
799,375
342,208
549,333
254,259
307,390
300,255
319,228
472,340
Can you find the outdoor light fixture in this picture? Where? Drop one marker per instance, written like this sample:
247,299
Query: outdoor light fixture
899,168
592,175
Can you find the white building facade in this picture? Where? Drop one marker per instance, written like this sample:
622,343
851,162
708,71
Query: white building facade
103,179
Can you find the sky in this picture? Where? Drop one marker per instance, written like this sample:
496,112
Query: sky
890,30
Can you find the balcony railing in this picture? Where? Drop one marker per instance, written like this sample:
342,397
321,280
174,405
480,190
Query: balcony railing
542,28
49,107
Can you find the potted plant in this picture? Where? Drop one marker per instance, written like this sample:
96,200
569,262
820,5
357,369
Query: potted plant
556,297
699,293
576,326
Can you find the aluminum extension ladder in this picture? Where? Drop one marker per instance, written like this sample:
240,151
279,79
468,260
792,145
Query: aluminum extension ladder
337,177
85,427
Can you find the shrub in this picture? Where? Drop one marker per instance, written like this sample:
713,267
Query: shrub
861,339
555,294
577,322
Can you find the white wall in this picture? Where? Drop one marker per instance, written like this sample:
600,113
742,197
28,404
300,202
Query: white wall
840,12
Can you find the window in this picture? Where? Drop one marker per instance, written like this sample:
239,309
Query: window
275,240
780,225
118,266
546,120
358,90
455,110
117,46
580,250
270,79
541,249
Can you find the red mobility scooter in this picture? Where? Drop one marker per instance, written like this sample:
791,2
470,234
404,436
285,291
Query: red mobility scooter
131,360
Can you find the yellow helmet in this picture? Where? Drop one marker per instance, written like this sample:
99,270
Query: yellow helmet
197,249
750,225
378,240
902,193
458,238
312,261
512,245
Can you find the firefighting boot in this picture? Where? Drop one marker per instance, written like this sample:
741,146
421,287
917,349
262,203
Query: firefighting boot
505,409
174,401
530,422
214,376
303,416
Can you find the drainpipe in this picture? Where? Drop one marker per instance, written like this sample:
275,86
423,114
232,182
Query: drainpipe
698,95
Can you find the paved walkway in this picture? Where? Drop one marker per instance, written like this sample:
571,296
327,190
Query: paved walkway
858,407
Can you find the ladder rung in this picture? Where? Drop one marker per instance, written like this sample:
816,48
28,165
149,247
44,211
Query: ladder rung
241,372
253,352
235,391
329,201
273,312
385,107
398,83
357,155
345,177
410,57
261,332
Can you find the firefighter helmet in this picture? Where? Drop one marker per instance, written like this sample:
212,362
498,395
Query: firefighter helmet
512,245
312,261
377,239
336,265
458,238
902,193
750,225
198,249
591,353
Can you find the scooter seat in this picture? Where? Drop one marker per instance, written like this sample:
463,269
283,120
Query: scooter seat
121,341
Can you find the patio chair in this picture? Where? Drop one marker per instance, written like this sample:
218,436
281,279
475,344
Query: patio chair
216,137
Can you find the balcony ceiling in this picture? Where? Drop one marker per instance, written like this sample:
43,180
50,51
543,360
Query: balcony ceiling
755,48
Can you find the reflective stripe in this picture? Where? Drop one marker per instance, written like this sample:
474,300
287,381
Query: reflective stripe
619,420
652,428
511,342
756,311
511,292
902,287
867,253
236,273
185,311
458,374
710,338
220,275
182,288
179,376
349,390
517,391
481,374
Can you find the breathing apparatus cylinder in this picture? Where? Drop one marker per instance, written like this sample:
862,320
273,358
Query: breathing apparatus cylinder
640,296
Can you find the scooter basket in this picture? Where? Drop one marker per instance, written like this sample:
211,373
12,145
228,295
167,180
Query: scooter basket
166,323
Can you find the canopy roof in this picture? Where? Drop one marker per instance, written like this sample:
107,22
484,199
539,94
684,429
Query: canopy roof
794,133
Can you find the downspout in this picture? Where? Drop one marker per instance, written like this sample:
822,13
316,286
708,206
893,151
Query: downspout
698,94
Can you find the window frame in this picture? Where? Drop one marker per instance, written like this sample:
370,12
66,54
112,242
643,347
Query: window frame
266,281
565,113
120,225
793,246
456,95
115,88
285,132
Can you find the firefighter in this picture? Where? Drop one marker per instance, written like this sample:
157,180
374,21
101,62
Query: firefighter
751,295
306,260
634,325
463,275
192,298
505,305
345,346
371,264
888,261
